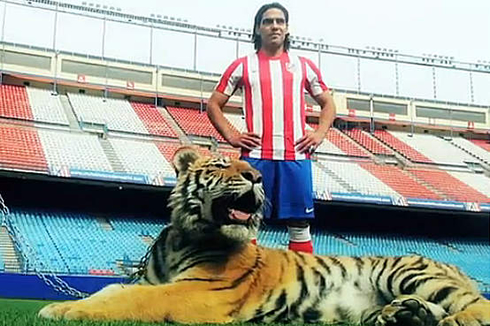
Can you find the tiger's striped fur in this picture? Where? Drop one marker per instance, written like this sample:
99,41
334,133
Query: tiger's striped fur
203,269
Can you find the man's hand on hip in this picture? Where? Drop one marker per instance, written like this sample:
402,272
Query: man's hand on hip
309,142
246,140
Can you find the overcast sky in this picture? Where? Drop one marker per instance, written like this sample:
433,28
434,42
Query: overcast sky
447,27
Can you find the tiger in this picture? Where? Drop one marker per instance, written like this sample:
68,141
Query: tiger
204,269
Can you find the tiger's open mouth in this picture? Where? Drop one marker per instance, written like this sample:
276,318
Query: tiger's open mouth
238,210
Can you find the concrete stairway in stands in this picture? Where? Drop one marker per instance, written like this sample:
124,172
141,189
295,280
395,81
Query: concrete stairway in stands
109,151
12,264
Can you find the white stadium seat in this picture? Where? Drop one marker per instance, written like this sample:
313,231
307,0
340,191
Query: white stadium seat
140,156
117,114
45,106
73,150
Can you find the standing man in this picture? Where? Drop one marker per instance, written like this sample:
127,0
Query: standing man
276,142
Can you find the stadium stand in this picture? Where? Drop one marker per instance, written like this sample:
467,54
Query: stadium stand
21,148
368,142
453,188
327,147
345,144
401,147
46,107
237,121
75,243
356,179
485,144
155,122
139,156
400,181
14,102
117,114
436,149
340,143
478,182
194,122
168,149
324,184
473,148
73,150
32,227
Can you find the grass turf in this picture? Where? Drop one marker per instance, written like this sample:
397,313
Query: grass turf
24,313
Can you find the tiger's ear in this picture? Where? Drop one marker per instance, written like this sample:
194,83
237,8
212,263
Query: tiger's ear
184,157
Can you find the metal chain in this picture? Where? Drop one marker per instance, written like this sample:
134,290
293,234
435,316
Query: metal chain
30,256
143,263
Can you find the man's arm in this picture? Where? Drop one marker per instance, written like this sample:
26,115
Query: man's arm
216,103
312,140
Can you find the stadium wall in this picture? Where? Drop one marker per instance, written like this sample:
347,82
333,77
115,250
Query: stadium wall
17,286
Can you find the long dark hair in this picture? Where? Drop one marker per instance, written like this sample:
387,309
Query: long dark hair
257,39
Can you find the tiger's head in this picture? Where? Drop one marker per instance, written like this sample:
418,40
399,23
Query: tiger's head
216,195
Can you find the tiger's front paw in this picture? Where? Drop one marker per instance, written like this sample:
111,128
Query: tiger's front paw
66,310
406,311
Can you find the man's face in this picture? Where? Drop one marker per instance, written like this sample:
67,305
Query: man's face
273,28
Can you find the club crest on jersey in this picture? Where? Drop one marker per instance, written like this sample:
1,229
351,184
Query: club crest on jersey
291,67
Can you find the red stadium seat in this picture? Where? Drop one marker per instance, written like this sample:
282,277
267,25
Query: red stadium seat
21,148
348,146
14,102
194,122
402,182
401,147
369,142
453,188
153,119
485,144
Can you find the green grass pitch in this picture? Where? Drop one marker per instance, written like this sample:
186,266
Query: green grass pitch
24,313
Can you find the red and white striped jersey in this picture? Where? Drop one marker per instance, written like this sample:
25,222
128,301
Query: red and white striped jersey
274,100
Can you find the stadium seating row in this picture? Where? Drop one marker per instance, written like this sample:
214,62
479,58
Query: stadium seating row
75,243
61,152
35,104
66,153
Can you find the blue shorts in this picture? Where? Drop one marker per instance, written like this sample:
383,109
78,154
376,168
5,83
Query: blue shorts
288,187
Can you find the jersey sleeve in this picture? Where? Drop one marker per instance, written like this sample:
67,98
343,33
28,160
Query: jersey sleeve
231,79
314,82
